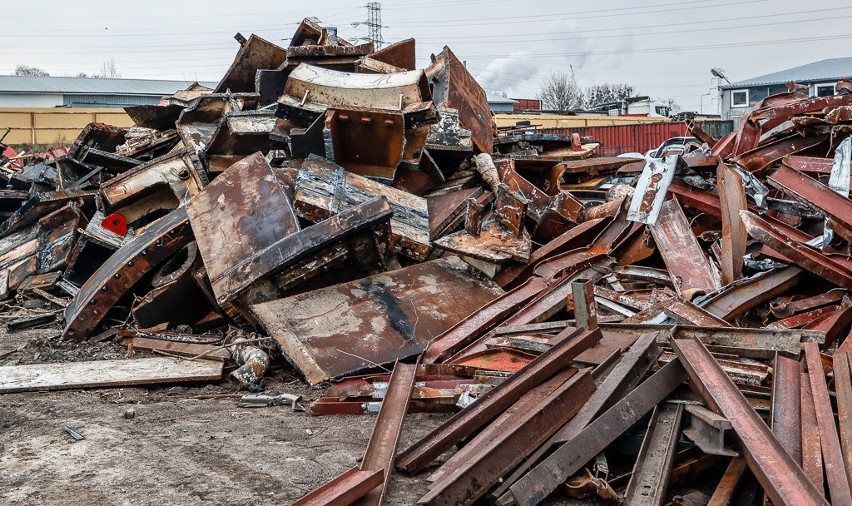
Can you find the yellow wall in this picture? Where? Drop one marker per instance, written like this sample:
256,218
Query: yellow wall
558,121
55,126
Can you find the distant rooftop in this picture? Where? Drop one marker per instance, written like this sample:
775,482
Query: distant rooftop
92,85
497,99
825,70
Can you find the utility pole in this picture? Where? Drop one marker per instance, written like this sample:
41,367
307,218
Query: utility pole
374,23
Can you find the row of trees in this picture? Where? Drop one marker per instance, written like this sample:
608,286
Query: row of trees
560,92
108,69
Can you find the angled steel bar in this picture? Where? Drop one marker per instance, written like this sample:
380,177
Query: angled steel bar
343,490
832,455
811,444
843,389
383,441
786,415
485,467
724,492
653,468
544,478
781,478
487,407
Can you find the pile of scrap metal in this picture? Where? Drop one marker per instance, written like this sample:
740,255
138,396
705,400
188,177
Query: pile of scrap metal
333,204
677,340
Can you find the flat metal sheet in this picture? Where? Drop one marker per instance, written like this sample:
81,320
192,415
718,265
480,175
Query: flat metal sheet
651,189
375,320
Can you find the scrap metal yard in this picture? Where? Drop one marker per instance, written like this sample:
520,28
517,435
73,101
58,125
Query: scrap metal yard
339,276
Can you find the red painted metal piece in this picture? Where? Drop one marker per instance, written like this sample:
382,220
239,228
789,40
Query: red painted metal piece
781,478
343,490
786,416
803,319
843,389
116,223
833,324
811,449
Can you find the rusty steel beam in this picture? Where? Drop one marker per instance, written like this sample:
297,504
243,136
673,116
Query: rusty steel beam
545,477
738,298
843,391
815,194
811,444
484,468
781,478
383,441
481,320
724,492
764,156
786,416
832,455
803,255
690,270
343,490
487,407
732,197
686,312
624,376
653,468
136,258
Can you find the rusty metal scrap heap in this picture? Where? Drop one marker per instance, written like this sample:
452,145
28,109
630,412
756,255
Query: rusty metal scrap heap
611,327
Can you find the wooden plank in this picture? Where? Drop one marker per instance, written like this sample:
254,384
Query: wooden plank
106,373
324,189
177,348
374,320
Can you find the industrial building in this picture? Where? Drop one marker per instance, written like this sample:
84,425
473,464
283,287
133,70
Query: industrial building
48,92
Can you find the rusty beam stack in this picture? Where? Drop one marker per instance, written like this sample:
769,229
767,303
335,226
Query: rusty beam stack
623,328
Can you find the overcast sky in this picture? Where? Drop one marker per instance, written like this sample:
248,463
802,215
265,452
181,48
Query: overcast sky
665,48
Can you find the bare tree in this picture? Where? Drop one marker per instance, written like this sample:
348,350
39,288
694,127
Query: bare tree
560,92
27,70
108,69
607,93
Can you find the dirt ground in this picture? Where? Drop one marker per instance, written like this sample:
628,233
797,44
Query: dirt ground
180,448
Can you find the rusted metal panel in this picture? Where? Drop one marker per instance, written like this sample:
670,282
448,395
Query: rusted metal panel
311,89
343,490
374,320
545,477
42,204
245,201
803,255
653,468
832,455
786,416
781,478
690,270
651,189
487,407
399,54
324,189
446,210
179,175
254,54
843,390
491,460
766,155
454,87
239,134
734,235
136,258
383,441
368,142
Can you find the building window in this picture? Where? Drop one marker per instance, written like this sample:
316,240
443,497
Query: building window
739,98
824,90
